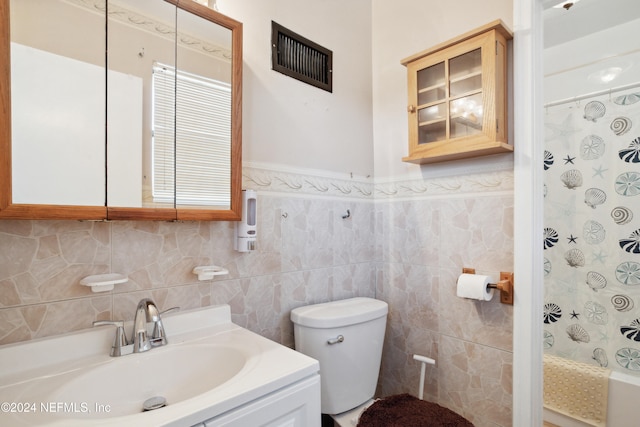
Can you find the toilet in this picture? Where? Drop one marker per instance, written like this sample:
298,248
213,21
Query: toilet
346,338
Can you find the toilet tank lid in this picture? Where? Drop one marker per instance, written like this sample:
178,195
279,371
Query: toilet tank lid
339,313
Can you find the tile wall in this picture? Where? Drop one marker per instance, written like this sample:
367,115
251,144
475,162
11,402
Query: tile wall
404,243
428,243
306,254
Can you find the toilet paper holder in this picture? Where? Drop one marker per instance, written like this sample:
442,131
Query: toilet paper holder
504,285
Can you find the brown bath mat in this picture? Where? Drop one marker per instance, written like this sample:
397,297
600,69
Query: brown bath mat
404,410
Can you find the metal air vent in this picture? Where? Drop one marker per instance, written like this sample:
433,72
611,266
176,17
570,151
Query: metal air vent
302,59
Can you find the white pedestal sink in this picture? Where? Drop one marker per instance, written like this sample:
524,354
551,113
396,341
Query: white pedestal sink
209,369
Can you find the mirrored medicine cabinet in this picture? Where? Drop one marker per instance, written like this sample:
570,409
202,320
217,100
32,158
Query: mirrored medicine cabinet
119,109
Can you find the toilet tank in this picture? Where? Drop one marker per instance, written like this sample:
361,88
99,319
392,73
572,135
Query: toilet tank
349,366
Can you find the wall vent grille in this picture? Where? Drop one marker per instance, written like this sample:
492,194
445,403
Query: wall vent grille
300,58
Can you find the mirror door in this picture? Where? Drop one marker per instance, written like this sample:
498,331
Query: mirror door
141,37
208,114
117,152
170,150
57,104
203,112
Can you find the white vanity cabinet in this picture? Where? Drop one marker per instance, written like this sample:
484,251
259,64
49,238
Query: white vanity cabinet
297,405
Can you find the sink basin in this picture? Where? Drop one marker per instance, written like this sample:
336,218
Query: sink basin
209,368
173,373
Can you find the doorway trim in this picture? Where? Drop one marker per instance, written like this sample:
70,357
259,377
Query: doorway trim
528,213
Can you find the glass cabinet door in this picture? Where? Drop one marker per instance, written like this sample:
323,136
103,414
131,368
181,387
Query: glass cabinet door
465,94
432,108
450,98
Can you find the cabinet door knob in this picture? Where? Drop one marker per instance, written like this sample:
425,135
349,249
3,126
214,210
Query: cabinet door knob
411,108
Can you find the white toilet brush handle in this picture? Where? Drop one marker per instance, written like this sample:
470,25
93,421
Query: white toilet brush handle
424,360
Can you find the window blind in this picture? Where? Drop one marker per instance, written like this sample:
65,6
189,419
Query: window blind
191,138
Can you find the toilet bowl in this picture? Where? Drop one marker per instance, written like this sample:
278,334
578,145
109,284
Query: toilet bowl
346,338
350,418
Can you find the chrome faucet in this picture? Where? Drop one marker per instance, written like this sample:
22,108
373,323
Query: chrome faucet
146,313
120,346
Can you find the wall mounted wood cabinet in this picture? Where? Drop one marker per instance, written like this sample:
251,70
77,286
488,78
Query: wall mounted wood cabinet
148,129
457,93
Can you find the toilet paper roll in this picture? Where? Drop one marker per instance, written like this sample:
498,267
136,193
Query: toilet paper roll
474,286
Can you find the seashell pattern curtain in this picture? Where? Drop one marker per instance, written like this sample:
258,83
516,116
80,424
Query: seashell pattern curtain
591,238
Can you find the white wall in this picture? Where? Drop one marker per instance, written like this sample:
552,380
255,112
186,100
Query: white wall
295,125
289,123
571,69
400,29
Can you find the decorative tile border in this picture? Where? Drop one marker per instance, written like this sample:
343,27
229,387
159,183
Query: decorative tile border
483,182
305,183
312,183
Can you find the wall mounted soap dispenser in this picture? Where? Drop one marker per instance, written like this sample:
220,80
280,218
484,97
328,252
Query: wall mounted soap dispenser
245,239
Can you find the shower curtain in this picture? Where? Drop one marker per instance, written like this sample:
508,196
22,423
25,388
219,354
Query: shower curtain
592,231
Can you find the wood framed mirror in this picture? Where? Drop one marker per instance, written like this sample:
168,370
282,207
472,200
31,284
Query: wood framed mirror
63,156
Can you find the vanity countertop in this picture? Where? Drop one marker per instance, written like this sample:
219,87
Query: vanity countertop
37,378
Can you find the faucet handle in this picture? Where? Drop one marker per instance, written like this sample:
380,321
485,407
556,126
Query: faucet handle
120,345
109,322
158,336
169,310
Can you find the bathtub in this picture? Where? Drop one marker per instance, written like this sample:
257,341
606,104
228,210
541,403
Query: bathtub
622,406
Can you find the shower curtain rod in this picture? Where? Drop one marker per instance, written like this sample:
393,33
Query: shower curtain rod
592,94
